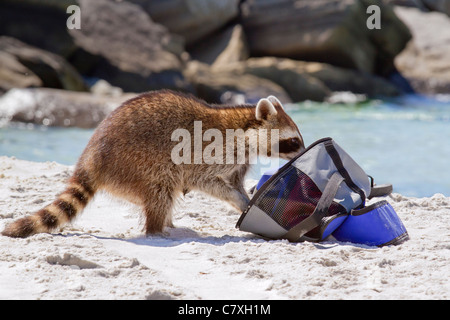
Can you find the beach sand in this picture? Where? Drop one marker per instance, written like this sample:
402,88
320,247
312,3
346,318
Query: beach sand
105,255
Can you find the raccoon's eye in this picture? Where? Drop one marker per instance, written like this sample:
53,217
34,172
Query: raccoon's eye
295,142
289,145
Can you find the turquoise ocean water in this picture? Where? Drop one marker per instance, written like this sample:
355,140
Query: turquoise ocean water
404,141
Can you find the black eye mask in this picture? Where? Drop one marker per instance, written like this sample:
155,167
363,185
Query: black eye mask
289,145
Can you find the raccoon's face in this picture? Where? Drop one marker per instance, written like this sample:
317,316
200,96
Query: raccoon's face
290,142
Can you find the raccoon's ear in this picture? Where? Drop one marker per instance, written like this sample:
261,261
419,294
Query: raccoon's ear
264,109
275,101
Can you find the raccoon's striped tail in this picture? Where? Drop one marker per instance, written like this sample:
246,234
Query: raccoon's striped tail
68,204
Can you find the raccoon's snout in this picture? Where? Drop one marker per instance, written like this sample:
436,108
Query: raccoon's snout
302,145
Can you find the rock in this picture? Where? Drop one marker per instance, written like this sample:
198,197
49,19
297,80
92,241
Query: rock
406,3
38,23
103,88
425,62
332,31
72,260
117,41
287,73
13,74
130,47
221,86
224,47
236,49
424,5
311,80
438,5
52,70
193,19
54,107
359,82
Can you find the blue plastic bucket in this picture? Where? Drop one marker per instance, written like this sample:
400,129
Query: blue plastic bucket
374,225
333,224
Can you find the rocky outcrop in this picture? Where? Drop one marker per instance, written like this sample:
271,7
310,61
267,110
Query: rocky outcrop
224,86
406,3
312,80
54,107
30,63
193,19
425,62
38,23
332,31
236,49
130,47
438,5
287,73
117,41
13,74
223,51
226,46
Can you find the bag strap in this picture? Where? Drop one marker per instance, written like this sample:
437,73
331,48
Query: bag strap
380,190
334,155
321,210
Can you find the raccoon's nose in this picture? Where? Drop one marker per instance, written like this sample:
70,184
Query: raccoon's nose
302,145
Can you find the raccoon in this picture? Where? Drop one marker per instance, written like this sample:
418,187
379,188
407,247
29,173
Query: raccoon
130,156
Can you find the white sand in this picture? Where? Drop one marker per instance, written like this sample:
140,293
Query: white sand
104,255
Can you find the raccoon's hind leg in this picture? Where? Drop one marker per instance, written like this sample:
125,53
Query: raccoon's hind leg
158,207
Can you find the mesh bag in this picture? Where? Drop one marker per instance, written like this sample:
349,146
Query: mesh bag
293,198
309,197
